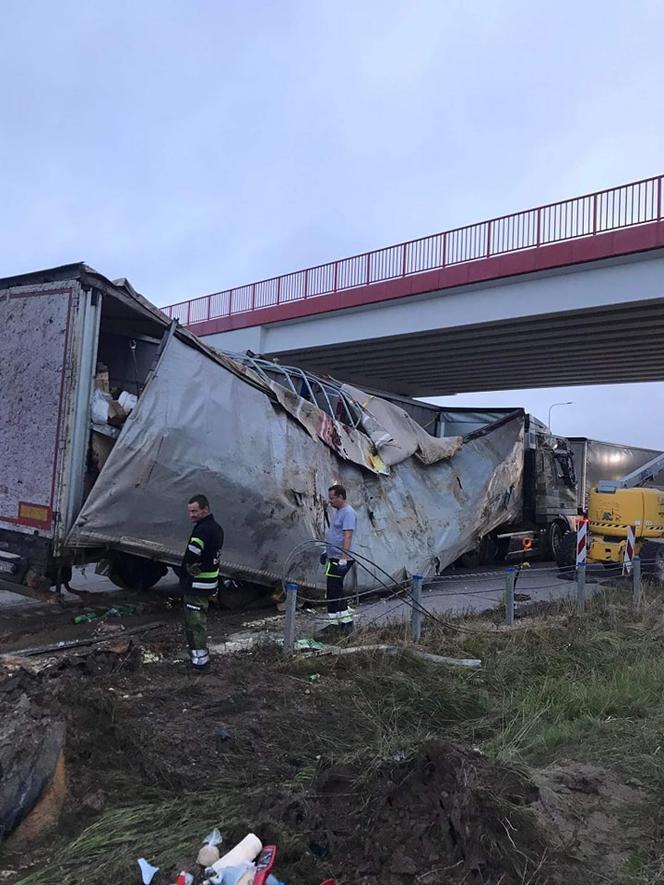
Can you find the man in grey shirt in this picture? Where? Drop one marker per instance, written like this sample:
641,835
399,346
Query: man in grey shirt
338,561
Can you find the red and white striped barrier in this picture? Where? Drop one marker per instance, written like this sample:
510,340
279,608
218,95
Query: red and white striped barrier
581,542
629,550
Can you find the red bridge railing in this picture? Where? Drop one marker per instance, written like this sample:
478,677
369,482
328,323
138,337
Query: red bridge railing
619,207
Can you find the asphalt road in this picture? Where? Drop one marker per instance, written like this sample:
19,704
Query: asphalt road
457,592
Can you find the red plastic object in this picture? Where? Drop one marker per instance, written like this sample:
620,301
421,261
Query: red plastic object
265,863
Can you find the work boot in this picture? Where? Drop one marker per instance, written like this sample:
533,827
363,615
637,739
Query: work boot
200,658
329,633
347,628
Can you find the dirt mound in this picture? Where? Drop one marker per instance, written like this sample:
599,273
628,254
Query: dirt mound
591,814
444,814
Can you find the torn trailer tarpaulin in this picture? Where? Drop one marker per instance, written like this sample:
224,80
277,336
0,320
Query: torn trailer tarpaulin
200,426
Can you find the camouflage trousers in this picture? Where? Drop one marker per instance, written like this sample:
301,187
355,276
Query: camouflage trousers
195,620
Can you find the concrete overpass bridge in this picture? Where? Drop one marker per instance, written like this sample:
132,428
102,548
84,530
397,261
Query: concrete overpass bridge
563,294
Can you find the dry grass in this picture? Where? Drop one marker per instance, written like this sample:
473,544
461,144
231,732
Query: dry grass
561,684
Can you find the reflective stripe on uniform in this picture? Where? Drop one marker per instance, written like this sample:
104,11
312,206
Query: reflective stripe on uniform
197,541
192,548
206,580
342,617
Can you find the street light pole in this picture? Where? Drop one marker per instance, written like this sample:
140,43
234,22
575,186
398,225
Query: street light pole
568,403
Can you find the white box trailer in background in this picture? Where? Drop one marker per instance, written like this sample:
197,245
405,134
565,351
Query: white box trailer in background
596,460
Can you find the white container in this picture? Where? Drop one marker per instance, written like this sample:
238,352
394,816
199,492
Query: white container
246,850
127,401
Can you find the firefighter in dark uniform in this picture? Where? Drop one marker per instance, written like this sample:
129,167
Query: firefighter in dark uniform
200,576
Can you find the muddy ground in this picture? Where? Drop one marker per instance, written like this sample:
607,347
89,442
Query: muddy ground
360,767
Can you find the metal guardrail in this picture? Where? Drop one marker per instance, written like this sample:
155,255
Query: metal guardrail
628,205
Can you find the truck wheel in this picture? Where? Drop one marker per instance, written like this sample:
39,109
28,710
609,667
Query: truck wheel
483,554
652,560
567,550
131,572
502,549
554,536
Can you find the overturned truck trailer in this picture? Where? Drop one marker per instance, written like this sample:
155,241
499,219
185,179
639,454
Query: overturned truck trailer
265,452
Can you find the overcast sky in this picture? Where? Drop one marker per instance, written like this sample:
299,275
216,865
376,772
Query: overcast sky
193,146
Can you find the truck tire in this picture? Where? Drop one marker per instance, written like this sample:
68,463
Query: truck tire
652,560
555,533
131,572
567,550
483,554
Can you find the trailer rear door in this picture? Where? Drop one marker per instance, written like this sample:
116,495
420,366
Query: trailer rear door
38,329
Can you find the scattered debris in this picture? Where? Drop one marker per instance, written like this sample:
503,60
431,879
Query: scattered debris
85,618
209,853
236,867
263,622
148,872
395,649
104,629
150,657
243,640
309,645
121,611
77,643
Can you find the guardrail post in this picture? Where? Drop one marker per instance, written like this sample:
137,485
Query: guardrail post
416,611
510,580
581,586
636,581
289,623
489,230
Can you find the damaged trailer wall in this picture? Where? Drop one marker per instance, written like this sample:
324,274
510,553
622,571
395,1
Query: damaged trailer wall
201,427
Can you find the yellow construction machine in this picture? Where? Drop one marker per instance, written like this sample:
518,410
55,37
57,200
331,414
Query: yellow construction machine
614,507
